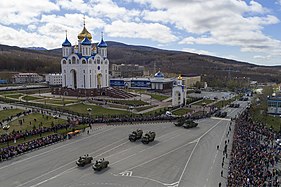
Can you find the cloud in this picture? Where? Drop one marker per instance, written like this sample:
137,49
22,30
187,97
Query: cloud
22,38
151,31
22,12
200,52
232,22
259,57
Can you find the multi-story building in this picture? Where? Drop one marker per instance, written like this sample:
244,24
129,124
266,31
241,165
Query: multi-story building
190,80
274,105
21,78
54,79
127,70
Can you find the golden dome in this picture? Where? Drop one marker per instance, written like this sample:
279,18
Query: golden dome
94,48
179,77
84,33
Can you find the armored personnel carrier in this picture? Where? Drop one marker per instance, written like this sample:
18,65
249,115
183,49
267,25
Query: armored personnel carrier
189,124
148,137
83,160
100,164
135,135
180,122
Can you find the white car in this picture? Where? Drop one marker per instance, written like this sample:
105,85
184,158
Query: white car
168,113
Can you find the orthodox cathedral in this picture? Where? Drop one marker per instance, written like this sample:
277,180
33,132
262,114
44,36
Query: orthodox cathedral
84,66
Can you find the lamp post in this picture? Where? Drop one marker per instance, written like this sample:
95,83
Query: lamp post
6,128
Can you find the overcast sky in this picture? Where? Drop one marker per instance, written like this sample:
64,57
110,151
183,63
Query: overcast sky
237,29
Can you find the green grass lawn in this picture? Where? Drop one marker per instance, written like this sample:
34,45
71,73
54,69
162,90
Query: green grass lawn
204,101
182,111
6,113
46,122
14,96
31,98
56,101
155,111
7,92
118,106
158,97
138,109
96,110
259,115
129,102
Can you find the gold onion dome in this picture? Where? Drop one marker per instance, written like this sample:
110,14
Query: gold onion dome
84,33
179,77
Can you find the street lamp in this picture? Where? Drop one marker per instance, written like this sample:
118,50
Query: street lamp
6,128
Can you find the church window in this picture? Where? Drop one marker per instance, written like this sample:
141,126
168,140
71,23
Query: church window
83,61
69,61
73,60
98,61
98,67
64,61
83,71
90,71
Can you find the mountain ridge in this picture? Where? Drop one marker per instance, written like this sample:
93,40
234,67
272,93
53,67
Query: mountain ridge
13,58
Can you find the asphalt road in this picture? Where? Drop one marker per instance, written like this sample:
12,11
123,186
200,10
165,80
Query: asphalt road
177,157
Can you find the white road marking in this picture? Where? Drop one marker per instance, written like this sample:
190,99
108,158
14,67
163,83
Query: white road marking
71,163
175,184
223,119
126,173
194,150
51,150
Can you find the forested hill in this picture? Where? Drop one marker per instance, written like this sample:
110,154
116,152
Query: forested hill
46,61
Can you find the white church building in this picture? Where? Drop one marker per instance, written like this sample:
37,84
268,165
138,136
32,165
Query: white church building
84,66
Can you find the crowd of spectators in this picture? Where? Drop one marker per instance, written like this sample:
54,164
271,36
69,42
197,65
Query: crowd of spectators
11,151
141,118
254,155
15,135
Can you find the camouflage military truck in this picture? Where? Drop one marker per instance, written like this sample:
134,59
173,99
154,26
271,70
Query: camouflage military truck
180,122
189,124
135,135
83,160
100,164
148,137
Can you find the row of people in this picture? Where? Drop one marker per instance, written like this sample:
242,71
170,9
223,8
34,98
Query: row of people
11,151
15,135
253,155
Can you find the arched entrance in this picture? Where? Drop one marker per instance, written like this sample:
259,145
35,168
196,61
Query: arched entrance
73,78
99,77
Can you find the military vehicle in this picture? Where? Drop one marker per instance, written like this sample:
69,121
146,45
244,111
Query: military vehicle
232,105
83,160
100,164
180,122
148,137
223,114
135,135
189,124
